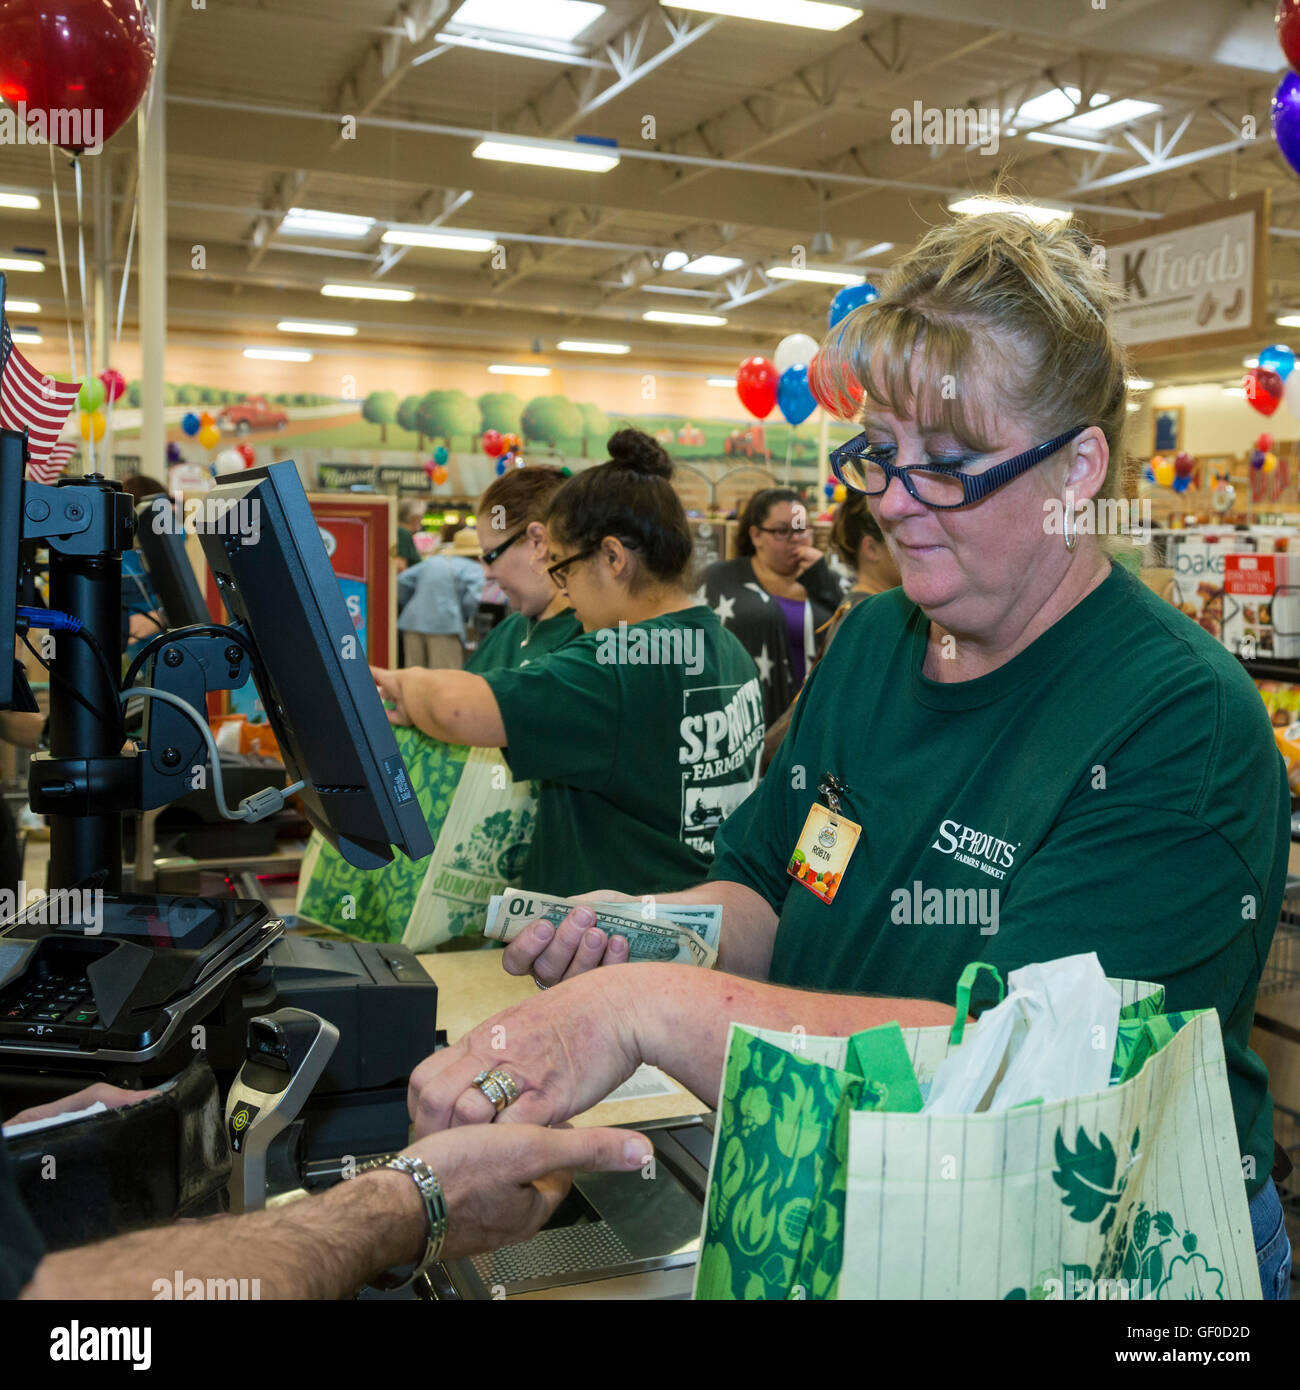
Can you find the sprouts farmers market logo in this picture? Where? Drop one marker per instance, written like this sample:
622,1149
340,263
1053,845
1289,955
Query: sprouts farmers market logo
977,848
72,128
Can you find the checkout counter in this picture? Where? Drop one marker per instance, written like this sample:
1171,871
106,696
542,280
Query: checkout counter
617,1235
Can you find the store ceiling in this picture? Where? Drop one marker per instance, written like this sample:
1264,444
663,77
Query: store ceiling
762,137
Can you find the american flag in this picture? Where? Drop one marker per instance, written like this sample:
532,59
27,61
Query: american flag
35,402
54,464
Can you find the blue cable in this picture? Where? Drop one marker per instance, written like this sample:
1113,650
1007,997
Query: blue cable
50,618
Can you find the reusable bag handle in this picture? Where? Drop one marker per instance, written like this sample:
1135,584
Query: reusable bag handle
964,983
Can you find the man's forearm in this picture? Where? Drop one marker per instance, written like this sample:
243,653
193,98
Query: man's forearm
748,925
321,1247
681,1015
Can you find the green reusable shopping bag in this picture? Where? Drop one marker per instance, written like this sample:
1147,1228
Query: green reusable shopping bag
482,824
1135,1191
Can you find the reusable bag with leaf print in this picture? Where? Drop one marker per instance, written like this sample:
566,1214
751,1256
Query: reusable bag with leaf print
482,824
823,1187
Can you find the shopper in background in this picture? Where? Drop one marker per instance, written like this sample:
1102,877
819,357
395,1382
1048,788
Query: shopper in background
410,519
23,730
645,731
438,599
775,594
860,544
1020,719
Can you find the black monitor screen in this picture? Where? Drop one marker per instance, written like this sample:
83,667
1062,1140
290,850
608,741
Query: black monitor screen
160,535
267,555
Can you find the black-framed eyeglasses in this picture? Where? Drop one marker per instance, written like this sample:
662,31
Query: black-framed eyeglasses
865,467
557,570
785,532
490,557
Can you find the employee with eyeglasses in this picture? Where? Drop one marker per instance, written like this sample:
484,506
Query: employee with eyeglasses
644,733
776,594
1022,717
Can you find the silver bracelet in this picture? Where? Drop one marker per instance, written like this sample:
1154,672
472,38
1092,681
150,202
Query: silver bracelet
435,1211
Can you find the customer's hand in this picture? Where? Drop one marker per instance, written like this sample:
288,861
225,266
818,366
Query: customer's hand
111,1096
551,954
391,687
808,555
502,1184
565,1050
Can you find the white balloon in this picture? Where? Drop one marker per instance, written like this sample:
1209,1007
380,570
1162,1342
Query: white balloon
228,461
795,351
1291,392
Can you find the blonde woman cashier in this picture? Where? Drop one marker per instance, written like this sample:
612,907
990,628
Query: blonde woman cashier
645,732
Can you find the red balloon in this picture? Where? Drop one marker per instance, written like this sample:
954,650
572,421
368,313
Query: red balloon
1288,30
76,56
1265,442
756,380
247,453
1263,389
493,444
1184,464
114,384
837,392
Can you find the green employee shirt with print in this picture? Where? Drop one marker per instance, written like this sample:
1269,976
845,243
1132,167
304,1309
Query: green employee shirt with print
644,738
1116,785
516,641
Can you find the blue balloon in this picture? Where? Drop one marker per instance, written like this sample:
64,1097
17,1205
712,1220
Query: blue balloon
501,465
849,298
1148,474
1279,358
1182,484
191,424
440,455
1285,114
793,395
829,490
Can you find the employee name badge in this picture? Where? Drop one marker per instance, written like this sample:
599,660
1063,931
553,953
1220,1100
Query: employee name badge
825,844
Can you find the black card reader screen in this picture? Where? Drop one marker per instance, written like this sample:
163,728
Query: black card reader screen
168,923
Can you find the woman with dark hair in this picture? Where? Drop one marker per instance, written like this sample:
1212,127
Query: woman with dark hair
644,732
775,594
858,541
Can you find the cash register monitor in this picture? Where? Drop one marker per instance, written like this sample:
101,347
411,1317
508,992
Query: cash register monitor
268,558
161,538
11,530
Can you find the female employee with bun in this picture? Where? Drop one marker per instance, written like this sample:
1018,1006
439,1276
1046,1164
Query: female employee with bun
645,732
1021,715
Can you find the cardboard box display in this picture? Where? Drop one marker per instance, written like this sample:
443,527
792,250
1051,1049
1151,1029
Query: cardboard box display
1261,605
1197,559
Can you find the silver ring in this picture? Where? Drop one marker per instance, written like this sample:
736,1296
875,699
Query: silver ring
539,984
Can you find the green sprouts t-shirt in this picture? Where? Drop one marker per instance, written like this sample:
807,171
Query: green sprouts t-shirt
1113,788
516,641
644,737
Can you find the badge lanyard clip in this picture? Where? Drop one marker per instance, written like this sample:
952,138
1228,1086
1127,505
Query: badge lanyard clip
832,788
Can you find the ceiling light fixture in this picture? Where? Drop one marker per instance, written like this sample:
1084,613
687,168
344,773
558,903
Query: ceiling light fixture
668,316
277,355
309,222
440,241
341,291
1038,213
815,275
328,330
800,14
548,155
580,345
507,369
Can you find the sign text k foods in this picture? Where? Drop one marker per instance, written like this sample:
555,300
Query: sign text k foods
1193,281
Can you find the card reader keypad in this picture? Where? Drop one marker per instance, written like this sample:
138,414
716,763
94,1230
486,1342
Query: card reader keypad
47,995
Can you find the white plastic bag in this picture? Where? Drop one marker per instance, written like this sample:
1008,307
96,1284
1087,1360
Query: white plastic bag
1052,1038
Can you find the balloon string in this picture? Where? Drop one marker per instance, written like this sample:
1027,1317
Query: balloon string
85,303
126,271
63,267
